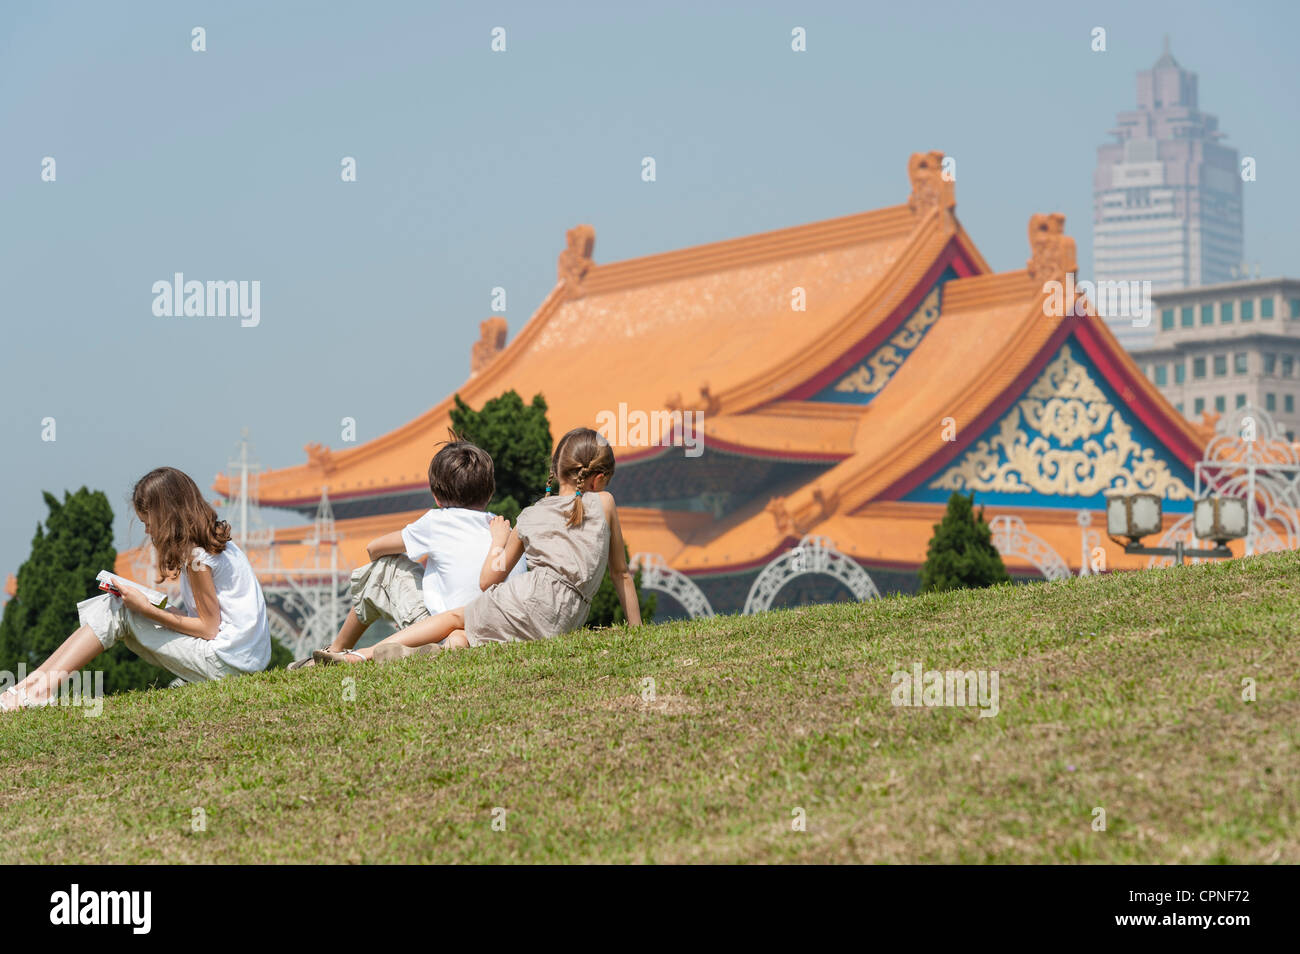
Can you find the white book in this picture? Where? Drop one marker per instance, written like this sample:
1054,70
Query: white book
155,597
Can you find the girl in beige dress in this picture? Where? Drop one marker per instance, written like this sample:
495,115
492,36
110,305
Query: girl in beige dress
569,538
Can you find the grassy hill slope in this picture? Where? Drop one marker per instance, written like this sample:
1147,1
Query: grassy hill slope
1122,692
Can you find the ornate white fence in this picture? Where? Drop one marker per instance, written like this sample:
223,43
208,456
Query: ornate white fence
1012,538
656,574
1249,457
813,555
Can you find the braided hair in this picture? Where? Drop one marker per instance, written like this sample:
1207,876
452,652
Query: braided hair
580,456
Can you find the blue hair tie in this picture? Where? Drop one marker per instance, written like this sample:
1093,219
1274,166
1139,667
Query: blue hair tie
578,494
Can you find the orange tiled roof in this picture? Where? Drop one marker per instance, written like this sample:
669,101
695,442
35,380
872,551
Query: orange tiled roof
998,317
712,327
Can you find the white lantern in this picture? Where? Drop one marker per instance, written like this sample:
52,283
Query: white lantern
1116,517
1134,516
1221,519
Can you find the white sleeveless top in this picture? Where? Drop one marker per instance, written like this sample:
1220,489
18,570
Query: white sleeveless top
244,636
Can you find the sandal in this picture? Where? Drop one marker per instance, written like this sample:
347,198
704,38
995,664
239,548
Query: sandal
21,700
325,657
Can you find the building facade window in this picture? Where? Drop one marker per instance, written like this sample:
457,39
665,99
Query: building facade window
1248,310
1220,365
1225,312
1266,308
1239,363
1198,368
1167,317
1295,307
1161,376
1198,406
1270,401
1207,314
1288,403
1288,364
1220,403
1240,400
1270,362
1180,371
1179,407
1186,316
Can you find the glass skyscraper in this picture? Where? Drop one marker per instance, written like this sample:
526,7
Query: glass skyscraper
1166,194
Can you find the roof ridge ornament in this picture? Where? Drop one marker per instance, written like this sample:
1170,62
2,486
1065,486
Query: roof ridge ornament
932,187
1052,252
321,457
707,403
575,261
491,342
777,508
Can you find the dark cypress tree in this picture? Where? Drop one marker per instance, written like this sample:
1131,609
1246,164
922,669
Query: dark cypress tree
75,543
961,552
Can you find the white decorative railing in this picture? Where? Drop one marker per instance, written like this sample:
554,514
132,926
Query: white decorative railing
813,555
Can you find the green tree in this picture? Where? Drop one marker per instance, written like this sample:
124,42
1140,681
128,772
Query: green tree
961,552
280,656
606,609
75,543
518,436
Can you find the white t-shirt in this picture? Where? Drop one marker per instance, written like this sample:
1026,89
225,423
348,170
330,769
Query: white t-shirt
244,636
452,543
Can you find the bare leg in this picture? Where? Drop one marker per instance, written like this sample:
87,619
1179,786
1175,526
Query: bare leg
77,650
434,629
351,631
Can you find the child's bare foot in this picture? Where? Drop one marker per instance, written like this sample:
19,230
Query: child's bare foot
16,697
325,657
387,652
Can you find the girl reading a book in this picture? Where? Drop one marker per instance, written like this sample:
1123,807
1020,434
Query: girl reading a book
219,630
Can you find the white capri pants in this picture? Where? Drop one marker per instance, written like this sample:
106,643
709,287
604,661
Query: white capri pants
191,658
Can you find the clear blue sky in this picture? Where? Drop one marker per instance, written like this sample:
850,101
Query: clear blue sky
225,165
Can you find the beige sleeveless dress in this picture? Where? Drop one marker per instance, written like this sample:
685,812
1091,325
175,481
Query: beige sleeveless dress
565,568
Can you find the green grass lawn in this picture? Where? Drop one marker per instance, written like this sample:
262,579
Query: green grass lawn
1121,692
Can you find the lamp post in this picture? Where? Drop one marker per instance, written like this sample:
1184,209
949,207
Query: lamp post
1214,518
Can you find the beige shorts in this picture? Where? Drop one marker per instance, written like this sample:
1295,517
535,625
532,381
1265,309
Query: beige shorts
391,588
191,658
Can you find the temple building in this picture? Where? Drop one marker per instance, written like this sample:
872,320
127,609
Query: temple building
794,408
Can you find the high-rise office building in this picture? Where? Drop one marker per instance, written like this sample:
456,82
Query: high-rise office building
1166,195
1221,347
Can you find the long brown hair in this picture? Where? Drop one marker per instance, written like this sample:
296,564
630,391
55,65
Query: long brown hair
580,455
179,518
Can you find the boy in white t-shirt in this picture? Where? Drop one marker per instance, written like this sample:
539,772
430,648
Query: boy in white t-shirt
433,564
